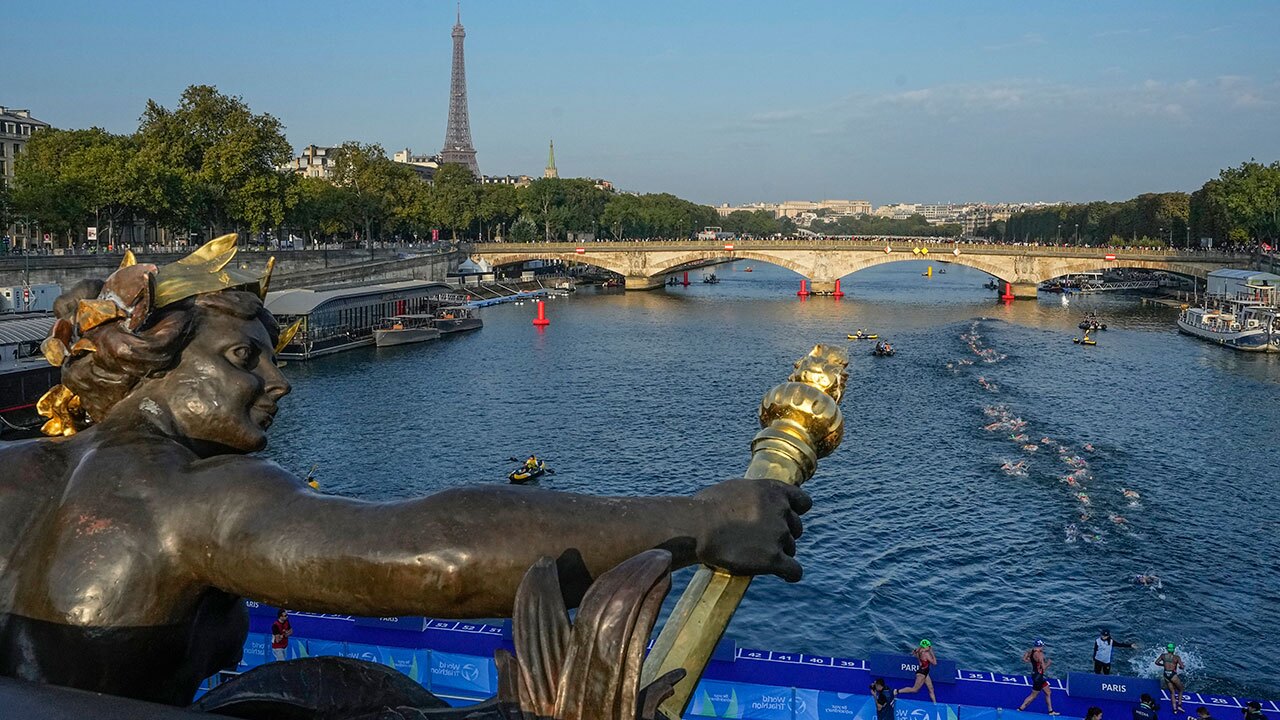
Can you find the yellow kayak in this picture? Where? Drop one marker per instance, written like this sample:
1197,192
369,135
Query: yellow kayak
863,337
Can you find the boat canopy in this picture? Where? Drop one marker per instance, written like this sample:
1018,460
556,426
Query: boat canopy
25,329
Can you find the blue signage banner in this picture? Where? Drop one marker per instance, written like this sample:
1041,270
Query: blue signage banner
826,705
916,710
318,648
905,666
716,699
360,651
261,609
256,651
408,624
409,661
467,675
1110,687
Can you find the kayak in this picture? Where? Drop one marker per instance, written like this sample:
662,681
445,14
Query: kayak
883,353
522,475
1085,341
863,337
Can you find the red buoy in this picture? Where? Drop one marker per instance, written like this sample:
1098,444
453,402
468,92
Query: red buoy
686,279
804,288
1008,292
838,293
541,320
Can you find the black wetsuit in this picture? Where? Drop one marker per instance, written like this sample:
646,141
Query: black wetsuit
884,704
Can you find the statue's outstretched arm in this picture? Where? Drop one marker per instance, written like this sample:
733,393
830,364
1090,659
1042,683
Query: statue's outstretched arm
460,553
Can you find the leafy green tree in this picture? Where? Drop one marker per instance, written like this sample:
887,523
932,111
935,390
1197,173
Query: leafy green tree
378,191
455,197
321,209
524,230
499,205
225,157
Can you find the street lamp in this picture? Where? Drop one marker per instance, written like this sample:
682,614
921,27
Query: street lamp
1162,233
1077,233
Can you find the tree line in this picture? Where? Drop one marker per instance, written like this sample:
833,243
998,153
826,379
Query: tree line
1240,207
212,165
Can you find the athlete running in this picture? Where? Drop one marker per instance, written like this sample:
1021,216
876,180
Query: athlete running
1170,679
926,659
1039,683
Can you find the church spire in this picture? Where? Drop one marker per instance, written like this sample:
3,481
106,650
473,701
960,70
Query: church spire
551,172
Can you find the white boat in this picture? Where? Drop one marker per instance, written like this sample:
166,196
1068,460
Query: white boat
1240,325
404,330
455,319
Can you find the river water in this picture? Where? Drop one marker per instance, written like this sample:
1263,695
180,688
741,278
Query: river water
916,530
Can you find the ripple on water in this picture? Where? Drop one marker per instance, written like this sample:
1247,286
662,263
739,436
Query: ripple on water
915,531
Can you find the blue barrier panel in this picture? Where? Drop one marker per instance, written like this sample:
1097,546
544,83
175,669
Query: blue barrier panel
1023,715
716,699
828,705
318,648
359,651
974,712
465,675
905,666
408,624
916,710
256,651
1110,687
413,663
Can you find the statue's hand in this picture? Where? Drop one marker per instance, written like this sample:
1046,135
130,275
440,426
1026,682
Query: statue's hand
750,527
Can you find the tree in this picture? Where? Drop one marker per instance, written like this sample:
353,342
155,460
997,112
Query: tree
499,204
375,188
225,157
455,195
321,209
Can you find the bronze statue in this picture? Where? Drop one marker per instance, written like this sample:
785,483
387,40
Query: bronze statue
128,539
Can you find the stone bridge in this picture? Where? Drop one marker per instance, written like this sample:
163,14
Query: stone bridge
823,262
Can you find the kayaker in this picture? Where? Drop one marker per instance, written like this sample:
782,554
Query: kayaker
531,463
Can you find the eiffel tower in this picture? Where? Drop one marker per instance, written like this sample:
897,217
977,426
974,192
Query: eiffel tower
457,137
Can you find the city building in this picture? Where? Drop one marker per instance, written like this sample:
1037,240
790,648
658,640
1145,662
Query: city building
315,161
424,165
517,180
16,128
457,136
796,208
550,171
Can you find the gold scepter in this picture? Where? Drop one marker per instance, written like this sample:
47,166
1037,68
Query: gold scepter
801,422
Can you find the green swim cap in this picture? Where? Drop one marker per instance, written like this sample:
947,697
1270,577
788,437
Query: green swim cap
925,644
1170,647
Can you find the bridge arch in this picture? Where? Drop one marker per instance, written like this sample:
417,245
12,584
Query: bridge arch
512,258
674,264
997,270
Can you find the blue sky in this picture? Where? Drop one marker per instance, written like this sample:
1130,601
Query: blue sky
714,101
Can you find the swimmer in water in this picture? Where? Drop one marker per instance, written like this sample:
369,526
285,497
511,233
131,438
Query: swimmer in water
1073,533
1170,679
1071,480
1018,437
1084,499
1118,519
1088,447
1131,494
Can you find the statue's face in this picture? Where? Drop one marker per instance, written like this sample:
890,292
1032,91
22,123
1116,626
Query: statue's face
224,390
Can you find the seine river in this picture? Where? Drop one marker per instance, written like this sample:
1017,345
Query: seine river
916,530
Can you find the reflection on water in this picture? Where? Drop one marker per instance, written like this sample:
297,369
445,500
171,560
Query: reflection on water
916,529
